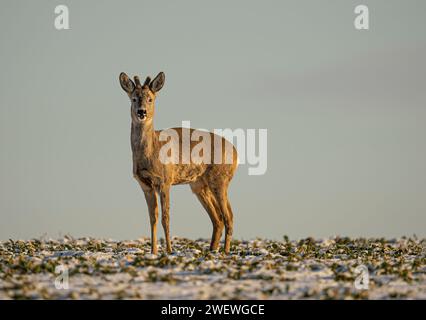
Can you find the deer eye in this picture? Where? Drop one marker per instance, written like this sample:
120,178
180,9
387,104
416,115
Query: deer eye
134,99
149,99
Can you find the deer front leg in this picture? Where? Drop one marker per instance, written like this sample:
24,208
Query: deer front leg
165,221
151,201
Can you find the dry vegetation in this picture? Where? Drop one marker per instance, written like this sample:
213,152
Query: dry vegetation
256,269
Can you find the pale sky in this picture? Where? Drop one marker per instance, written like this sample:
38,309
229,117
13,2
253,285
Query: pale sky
345,112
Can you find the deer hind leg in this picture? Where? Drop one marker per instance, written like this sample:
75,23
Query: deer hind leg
151,201
208,201
221,195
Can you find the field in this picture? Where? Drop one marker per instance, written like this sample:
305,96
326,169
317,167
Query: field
256,269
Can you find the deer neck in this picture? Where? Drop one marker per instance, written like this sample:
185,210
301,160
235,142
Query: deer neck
143,139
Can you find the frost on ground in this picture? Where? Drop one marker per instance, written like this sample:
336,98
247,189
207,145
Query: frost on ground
257,269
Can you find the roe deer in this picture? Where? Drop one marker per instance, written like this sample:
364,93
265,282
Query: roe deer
209,180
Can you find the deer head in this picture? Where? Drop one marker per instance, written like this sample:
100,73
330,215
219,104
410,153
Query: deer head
142,96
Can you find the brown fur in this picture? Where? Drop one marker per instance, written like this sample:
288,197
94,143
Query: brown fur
208,181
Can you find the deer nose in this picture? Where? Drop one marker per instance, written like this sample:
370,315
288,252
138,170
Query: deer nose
141,113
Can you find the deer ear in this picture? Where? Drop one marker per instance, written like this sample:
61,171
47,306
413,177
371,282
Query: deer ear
126,83
158,82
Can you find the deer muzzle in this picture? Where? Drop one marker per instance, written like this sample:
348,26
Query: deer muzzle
141,113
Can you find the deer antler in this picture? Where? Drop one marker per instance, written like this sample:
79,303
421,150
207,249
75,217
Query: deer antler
137,81
147,81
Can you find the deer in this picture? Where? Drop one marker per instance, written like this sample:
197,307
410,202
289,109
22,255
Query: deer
208,180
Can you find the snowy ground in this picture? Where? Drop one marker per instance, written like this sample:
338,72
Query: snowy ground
257,269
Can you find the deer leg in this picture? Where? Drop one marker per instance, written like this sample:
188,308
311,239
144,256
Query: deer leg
207,200
231,221
218,224
151,200
221,196
165,221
